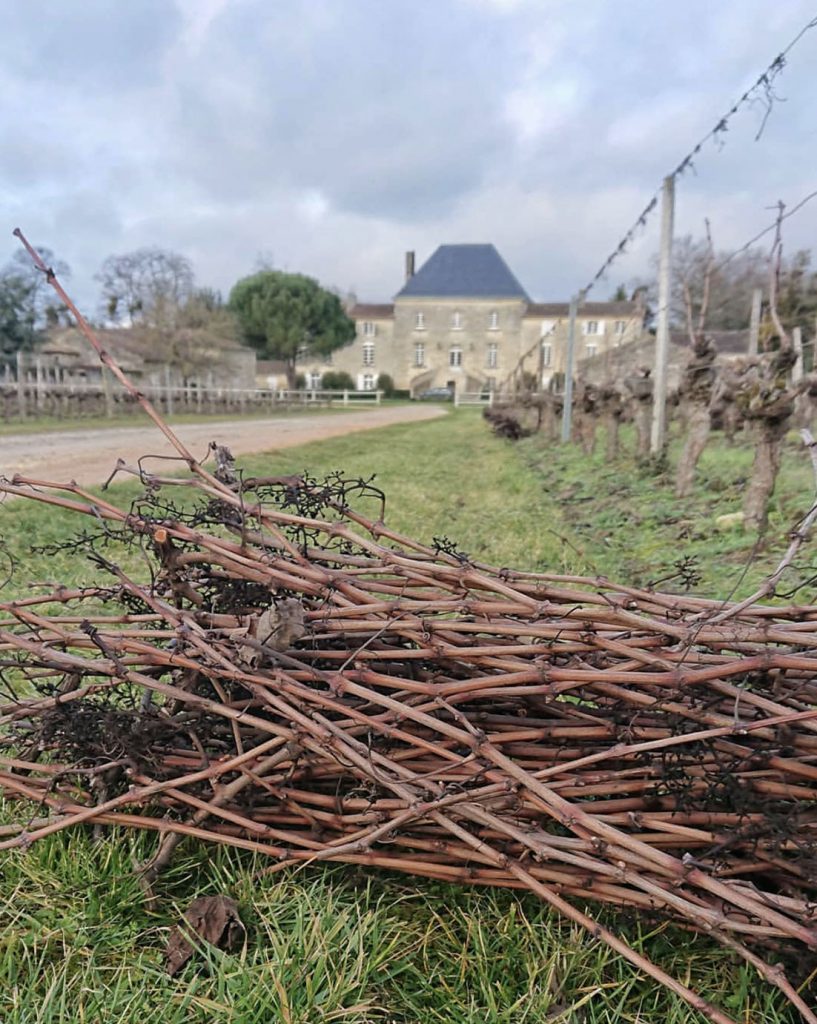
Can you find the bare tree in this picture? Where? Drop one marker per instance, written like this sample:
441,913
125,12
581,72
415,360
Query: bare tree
147,286
732,279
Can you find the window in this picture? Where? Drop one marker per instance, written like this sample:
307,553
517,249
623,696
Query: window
302,354
618,327
493,356
368,353
369,329
368,382
590,350
314,381
419,322
419,354
455,357
456,323
493,321
547,354
592,327
547,327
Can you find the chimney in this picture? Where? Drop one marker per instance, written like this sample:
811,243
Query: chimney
410,265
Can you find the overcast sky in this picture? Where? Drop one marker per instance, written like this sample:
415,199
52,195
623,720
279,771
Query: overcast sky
329,136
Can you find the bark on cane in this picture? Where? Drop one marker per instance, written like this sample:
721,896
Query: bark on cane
612,422
696,391
767,435
697,434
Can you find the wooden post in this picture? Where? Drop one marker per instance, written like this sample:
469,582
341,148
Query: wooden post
38,366
168,391
106,387
21,384
567,409
659,395
754,322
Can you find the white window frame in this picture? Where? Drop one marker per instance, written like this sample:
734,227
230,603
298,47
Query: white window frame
369,329
548,327
590,350
619,327
591,327
455,357
314,381
369,382
493,320
547,353
419,353
419,321
492,358
368,353
457,321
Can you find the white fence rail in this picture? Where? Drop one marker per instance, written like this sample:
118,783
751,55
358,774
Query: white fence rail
35,395
473,398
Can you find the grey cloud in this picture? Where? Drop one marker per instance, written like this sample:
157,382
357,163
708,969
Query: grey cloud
369,112
337,133
91,43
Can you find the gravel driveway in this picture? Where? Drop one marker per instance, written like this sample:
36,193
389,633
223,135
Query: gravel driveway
88,456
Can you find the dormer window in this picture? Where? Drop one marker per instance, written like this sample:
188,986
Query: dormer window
456,321
493,320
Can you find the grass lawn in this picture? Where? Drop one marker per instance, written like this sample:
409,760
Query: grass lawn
77,942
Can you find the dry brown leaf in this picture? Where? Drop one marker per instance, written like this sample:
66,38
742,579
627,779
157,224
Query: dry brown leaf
277,627
211,918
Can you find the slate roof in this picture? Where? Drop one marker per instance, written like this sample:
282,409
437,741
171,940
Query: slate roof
372,311
464,272
620,309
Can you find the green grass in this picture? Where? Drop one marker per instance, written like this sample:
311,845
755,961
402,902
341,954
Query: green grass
78,943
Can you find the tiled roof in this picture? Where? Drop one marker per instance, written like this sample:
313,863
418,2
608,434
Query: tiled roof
619,309
464,272
371,311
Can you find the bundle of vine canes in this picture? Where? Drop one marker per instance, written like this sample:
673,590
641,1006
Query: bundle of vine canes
286,675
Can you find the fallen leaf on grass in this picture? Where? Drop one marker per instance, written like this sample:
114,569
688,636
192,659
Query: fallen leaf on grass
211,918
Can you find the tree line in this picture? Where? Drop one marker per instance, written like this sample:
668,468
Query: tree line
722,283
153,291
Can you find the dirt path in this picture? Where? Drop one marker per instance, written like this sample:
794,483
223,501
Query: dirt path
88,456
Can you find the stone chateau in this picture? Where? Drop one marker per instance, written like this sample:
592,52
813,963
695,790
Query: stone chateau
464,321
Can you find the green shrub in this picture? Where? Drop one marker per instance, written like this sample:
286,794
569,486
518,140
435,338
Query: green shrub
386,385
338,380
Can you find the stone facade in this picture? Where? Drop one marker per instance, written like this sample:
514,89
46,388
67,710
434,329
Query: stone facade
467,324
616,365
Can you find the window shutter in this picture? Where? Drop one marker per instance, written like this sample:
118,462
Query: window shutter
360,384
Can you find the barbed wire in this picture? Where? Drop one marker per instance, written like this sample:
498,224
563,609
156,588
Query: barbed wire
762,90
